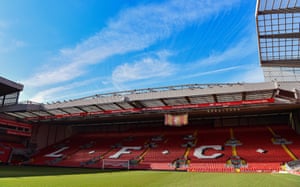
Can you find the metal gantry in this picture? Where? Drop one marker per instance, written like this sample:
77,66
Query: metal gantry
278,31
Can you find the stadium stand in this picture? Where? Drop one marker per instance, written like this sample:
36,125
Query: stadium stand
160,151
222,132
4,153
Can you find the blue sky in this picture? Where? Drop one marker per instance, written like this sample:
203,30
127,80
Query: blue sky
64,49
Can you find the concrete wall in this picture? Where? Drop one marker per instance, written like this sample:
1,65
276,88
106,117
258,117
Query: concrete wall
45,135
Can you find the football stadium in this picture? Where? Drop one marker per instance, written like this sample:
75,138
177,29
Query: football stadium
229,134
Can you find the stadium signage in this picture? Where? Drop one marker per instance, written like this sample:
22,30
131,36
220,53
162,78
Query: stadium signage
125,150
14,123
199,152
19,129
57,154
137,110
18,133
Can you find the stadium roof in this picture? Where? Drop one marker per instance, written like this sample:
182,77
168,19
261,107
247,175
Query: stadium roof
174,99
9,87
9,92
278,27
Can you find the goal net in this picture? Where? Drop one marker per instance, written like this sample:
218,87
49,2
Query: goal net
115,164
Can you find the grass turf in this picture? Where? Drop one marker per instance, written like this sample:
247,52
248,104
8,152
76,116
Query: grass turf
75,177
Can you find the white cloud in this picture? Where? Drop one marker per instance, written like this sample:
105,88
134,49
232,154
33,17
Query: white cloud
18,43
133,29
146,68
55,93
215,71
240,50
45,95
153,68
253,75
61,74
4,24
249,74
8,43
217,63
222,61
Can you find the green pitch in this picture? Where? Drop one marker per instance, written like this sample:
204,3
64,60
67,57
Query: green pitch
63,177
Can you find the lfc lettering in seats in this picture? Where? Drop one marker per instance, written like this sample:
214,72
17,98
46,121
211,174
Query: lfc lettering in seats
198,153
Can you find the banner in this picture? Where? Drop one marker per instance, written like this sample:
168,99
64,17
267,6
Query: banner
176,119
